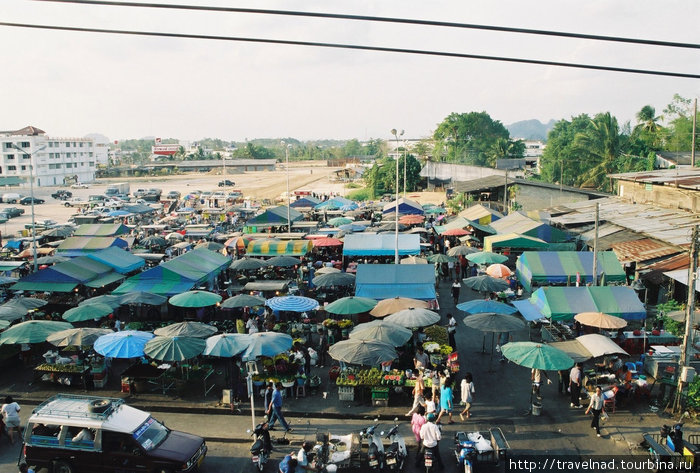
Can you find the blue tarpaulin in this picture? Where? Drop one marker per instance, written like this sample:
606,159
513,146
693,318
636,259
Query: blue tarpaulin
384,281
380,244
406,207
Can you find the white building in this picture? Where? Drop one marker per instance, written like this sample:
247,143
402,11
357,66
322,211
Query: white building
56,161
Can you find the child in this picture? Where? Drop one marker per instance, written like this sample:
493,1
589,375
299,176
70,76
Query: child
417,422
467,395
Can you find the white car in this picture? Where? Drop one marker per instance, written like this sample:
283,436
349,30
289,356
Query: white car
80,185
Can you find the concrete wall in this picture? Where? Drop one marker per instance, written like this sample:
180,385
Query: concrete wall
664,196
534,198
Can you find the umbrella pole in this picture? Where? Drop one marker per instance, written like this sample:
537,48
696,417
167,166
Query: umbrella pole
491,357
483,344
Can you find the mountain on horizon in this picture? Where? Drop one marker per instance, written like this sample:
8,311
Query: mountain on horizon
530,129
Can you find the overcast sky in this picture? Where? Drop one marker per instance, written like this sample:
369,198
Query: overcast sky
73,83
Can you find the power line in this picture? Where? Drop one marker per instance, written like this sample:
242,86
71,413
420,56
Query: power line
381,19
355,47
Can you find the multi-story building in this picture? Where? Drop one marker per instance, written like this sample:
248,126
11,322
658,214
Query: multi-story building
54,161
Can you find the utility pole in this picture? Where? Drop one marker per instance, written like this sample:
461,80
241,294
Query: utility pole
692,148
595,246
689,323
505,195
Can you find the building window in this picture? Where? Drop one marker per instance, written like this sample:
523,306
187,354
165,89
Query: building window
24,168
92,164
26,156
68,146
11,157
24,144
11,168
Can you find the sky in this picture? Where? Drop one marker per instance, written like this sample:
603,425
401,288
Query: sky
75,83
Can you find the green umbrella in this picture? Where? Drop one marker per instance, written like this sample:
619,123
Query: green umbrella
194,299
87,312
351,305
462,250
247,263
77,336
243,300
334,279
338,221
486,257
283,261
537,355
107,299
382,331
211,245
174,348
486,283
32,331
440,258
186,329
226,345
435,210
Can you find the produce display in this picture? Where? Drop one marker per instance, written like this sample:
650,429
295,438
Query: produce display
54,368
437,334
371,377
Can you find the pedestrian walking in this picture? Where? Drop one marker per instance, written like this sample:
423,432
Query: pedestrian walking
322,348
417,422
10,416
446,400
418,399
274,409
563,381
575,385
596,405
536,377
456,286
451,331
467,395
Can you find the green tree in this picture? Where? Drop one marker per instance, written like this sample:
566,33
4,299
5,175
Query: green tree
600,148
467,137
560,161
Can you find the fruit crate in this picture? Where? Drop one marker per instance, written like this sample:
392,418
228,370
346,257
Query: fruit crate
380,394
346,393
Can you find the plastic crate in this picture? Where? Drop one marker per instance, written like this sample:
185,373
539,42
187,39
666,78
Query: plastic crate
381,394
346,393
100,383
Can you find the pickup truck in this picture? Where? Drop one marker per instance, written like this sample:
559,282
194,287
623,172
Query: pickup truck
75,202
62,194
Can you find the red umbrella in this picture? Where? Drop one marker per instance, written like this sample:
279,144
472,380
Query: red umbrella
323,242
456,232
411,219
498,271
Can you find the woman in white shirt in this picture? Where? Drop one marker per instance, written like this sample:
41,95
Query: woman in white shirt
467,395
10,415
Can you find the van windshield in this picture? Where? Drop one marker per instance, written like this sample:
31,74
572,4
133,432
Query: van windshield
150,434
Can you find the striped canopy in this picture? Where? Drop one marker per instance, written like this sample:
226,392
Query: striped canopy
276,247
292,303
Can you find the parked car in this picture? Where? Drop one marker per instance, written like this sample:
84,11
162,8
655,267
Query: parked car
62,194
74,202
11,198
4,217
28,200
12,211
71,433
80,185
226,182
174,195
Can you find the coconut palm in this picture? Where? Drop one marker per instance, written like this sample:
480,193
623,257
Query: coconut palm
600,144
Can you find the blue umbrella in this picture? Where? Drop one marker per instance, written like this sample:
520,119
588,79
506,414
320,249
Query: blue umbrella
118,213
226,345
481,306
292,303
126,344
348,207
267,344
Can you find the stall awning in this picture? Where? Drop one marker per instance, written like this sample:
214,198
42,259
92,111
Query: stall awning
273,247
562,303
382,244
681,275
10,265
102,229
480,214
585,347
48,279
274,216
104,280
529,311
280,286
164,287
383,281
517,222
78,246
513,240
542,268
406,207
44,286
121,261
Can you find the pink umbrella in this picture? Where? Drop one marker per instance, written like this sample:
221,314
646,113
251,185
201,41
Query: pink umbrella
498,271
322,242
456,232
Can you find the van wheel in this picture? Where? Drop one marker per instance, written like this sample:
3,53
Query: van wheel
98,406
61,466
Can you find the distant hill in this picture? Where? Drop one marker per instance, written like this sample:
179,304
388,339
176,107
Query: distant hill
530,129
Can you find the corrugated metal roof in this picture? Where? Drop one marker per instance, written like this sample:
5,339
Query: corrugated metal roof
670,226
484,183
643,250
608,235
669,264
680,177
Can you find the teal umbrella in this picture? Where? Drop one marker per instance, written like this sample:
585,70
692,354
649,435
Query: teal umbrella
486,283
435,210
537,355
267,344
226,345
194,299
351,305
440,258
334,279
243,300
186,329
174,348
338,221
362,352
87,312
4,324
486,257
244,264
32,331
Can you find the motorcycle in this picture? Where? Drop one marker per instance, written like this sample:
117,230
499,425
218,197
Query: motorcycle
375,448
395,454
465,452
260,450
428,459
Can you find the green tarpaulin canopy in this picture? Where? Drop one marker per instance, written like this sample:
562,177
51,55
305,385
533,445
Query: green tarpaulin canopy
563,303
545,268
275,216
513,240
101,229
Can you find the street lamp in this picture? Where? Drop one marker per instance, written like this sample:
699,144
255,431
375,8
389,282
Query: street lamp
405,165
31,192
396,204
289,201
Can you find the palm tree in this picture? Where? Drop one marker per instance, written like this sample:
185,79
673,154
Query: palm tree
647,119
600,144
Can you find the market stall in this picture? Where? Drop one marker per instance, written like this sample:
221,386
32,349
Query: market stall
64,370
